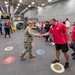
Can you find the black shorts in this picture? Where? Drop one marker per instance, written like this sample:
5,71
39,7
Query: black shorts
63,47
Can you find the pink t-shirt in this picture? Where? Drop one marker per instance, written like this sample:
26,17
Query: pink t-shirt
73,34
9,23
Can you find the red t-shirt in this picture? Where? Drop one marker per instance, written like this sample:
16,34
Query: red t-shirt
73,34
42,25
9,23
59,33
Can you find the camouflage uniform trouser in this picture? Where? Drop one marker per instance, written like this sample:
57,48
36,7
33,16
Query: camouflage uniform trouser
28,47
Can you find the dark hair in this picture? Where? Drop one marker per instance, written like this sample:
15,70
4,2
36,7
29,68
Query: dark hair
47,22
67,19
64,22
54,20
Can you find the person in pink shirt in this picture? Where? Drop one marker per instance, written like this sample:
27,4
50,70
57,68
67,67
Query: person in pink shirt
62,39
10,24
42,25
73,41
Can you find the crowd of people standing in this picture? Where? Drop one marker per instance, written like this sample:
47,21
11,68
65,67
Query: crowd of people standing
7,28
60,36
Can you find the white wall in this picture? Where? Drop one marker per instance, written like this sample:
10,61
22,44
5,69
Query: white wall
59,10
31,13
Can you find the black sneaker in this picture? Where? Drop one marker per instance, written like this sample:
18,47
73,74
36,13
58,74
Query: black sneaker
66,65
72,54
56,61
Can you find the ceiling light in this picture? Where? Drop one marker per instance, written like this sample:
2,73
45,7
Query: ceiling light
6,2
29,6
6,5
20,1
33,3
20,13
22,10
43,4
26,8
49,0
15,10
18,4
17,7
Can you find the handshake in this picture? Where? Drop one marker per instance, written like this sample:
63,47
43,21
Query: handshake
40,35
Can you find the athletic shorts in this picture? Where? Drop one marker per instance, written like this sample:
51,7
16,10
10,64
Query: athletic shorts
63,47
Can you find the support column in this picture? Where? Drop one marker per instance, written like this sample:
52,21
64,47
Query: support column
12,14
25,20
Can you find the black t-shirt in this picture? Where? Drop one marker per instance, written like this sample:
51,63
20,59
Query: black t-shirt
47,27
7,26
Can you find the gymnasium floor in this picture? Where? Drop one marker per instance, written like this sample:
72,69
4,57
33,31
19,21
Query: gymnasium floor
37,66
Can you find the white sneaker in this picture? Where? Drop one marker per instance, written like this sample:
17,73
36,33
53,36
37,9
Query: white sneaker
53,43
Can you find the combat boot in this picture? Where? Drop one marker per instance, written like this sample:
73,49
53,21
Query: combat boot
31,56
22,56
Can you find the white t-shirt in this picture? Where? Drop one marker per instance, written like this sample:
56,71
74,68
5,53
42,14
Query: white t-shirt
38,25
41,25
67,24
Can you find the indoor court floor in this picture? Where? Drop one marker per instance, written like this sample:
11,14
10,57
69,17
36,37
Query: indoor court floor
36,66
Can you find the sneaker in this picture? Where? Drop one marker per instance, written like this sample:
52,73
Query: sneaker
72,54
56,61
53,43
66,65
22,56
31,56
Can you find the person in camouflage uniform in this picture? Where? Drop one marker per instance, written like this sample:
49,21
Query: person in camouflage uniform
28,38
